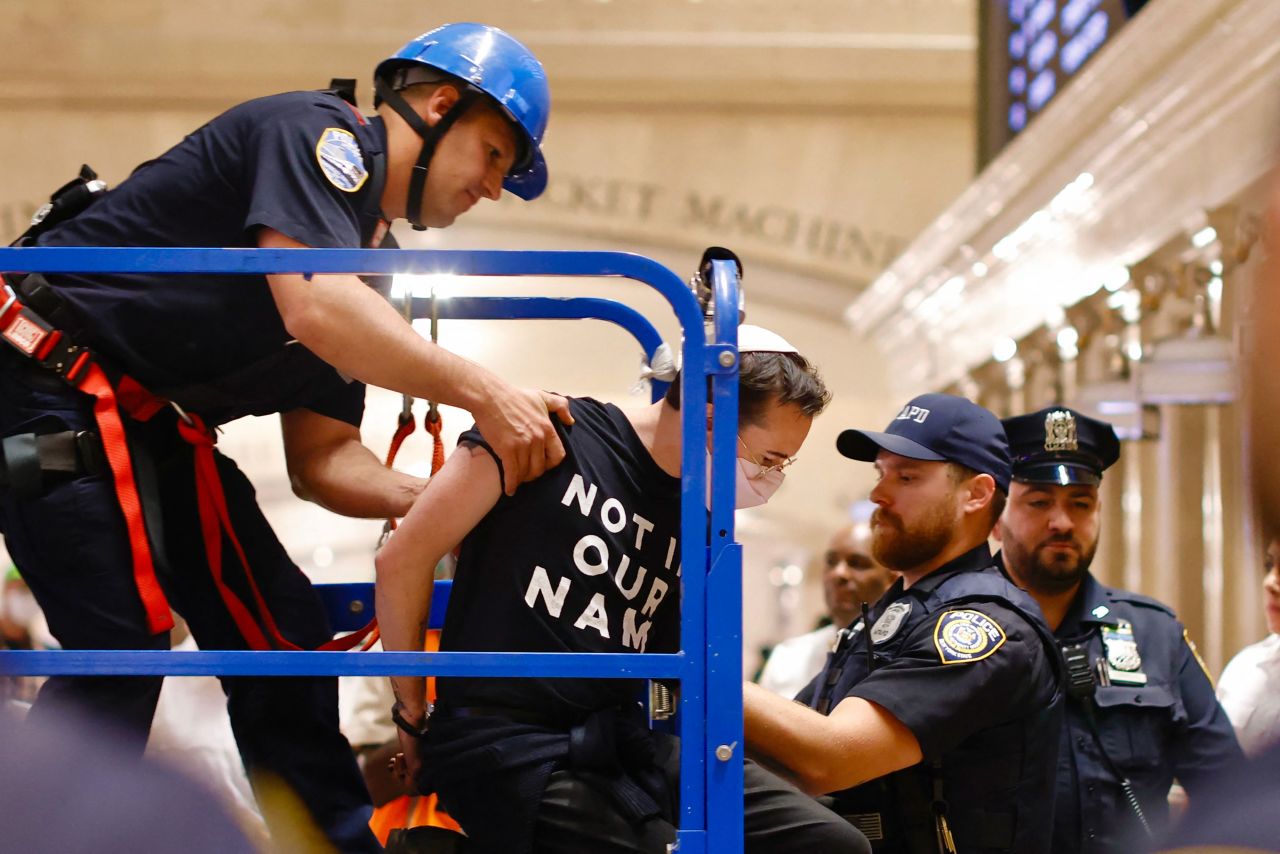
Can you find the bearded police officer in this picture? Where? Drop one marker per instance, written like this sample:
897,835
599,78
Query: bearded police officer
460,116
1141,710
934,721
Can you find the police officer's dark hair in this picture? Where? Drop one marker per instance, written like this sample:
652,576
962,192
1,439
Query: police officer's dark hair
428,80
959,473
766,377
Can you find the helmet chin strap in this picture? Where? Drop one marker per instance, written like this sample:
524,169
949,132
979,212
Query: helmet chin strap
430,134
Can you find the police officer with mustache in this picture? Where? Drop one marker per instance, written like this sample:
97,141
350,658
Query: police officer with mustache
1141,709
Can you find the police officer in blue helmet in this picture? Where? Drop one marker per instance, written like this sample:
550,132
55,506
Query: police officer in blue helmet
1141,709
115,383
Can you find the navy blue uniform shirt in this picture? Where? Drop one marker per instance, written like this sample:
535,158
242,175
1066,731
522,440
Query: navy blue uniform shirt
1158,720
300,163
963,659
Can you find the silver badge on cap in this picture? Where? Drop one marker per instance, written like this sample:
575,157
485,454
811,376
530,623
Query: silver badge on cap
890,621
1060,431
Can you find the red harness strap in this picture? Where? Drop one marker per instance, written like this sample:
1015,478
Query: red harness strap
116,450
215,520
34,337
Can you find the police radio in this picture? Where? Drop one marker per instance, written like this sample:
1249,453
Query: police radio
1081,686
1080,681
67,201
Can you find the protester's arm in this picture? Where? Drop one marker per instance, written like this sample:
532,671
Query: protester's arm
345,323
857,742
329,465
454,501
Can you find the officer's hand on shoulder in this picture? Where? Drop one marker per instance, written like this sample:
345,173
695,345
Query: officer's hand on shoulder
516,425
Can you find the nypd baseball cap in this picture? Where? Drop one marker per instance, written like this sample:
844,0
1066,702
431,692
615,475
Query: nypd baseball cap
1060,446
941,428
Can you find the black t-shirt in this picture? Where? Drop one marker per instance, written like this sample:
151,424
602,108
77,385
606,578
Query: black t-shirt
584,559
299,163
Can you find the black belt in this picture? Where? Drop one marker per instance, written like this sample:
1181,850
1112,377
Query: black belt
520,716
26,457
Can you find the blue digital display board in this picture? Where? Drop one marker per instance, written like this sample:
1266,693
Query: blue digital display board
1030,49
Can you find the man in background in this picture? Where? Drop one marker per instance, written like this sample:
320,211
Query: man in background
851,580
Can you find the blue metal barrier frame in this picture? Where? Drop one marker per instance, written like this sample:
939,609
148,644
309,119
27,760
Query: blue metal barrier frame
710,661
550,308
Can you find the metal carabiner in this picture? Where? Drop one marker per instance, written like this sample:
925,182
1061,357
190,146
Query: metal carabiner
182,413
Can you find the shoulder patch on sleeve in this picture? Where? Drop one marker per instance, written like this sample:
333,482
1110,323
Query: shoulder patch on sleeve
339,157
963,637
1195,652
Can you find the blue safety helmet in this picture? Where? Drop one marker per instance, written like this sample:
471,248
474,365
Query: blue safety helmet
494,63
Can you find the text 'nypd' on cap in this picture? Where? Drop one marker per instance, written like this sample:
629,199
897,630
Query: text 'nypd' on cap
938,427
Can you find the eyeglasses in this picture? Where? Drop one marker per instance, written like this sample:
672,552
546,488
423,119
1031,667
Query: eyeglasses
764,469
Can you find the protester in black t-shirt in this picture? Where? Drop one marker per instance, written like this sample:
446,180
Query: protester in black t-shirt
586,558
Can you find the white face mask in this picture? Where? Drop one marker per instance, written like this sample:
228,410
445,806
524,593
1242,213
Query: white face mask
752,486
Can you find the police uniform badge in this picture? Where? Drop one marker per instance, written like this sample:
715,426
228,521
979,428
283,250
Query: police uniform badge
1124,663
1060,431
963,637
339,157
890,621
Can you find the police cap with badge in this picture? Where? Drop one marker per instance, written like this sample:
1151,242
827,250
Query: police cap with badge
1060,446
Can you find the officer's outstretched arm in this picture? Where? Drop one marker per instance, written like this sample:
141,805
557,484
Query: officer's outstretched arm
857,742
328,464
349,326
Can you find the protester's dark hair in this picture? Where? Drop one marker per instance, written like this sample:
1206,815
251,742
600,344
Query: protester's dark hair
959,474
766,377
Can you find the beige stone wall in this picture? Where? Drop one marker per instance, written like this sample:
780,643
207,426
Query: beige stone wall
816,140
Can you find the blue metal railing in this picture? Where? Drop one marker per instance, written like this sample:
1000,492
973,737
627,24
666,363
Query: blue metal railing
709,664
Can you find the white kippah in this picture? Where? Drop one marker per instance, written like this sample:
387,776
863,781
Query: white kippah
757,339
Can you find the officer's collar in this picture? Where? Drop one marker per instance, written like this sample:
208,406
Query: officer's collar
978,557
1091,605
